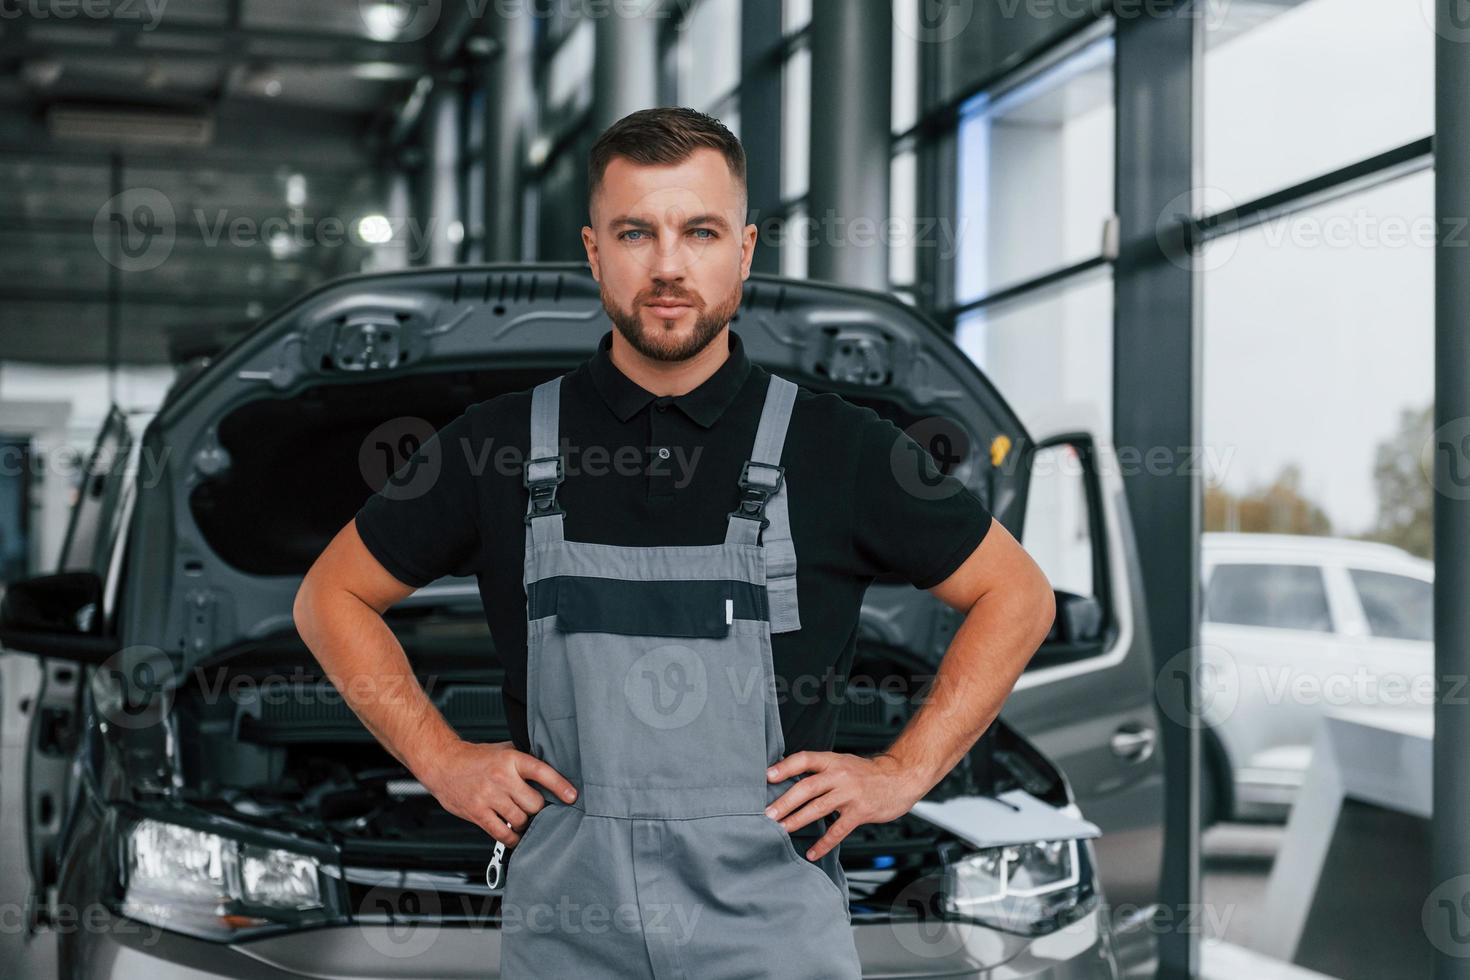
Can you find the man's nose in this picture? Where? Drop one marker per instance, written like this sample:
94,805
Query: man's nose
671,260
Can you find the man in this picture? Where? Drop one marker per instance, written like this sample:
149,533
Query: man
577,559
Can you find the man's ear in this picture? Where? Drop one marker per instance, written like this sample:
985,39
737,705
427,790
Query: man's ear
589,242
747,247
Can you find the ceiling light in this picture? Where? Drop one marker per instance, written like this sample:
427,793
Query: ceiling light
383,20
374,229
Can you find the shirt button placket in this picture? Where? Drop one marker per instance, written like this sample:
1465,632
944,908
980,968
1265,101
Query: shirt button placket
661,472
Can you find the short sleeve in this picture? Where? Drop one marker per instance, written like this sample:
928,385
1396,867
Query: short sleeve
423,523
910,518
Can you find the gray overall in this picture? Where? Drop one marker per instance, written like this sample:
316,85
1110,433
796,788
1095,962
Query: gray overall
650,687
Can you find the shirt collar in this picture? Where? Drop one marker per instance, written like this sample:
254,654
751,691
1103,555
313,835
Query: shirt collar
704,404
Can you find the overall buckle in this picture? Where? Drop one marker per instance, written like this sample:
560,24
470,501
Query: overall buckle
755,492
543,487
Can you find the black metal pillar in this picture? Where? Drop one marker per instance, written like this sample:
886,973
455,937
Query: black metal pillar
444,152
851,141
510,93
625,70
760,103
1156,404
1449,836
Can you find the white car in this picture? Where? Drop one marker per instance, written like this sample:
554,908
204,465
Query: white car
1292,627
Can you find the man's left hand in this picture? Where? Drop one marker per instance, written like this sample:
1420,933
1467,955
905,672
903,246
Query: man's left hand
864,789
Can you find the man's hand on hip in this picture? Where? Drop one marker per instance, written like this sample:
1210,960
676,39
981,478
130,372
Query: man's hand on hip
863,789
487,784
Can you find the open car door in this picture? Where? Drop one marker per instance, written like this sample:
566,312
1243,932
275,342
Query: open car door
41,683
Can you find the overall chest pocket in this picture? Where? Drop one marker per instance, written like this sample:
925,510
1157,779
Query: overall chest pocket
689,608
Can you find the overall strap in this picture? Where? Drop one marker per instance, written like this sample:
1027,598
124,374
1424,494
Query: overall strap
762,518
545,518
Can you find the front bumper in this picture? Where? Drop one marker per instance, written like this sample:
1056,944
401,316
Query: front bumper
121,949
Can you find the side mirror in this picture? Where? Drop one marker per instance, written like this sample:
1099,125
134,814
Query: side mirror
57,615
1079,620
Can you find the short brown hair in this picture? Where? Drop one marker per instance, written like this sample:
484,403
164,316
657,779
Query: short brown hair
663,135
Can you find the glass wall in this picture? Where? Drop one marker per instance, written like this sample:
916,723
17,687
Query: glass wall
1034,194
1294,90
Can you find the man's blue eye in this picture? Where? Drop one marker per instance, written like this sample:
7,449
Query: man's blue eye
627,233
707,231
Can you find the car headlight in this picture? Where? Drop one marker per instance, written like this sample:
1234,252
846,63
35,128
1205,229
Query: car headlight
215,887
1030,889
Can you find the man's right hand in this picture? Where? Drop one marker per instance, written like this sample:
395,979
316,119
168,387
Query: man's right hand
487,784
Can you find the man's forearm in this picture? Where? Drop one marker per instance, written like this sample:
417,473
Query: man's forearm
362,657
986,656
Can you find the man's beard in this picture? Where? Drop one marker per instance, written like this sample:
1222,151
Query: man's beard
649,341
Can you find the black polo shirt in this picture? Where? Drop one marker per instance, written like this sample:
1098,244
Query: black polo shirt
853,515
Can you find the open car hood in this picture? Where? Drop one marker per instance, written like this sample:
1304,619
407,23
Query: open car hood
421,343
1012,817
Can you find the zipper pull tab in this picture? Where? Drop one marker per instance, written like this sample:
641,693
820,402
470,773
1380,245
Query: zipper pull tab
494,868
